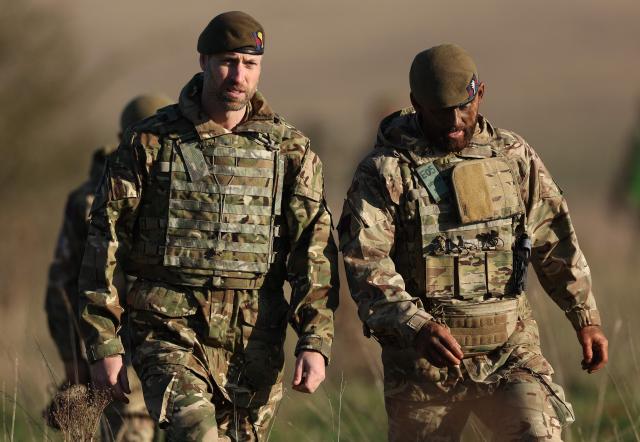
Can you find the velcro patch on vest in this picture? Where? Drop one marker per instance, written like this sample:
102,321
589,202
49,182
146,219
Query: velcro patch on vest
194,162
485,190
434,180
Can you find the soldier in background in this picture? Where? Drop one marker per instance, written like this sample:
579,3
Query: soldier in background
212,204
126,422
436,232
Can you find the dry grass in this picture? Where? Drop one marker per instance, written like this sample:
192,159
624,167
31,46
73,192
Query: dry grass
76,411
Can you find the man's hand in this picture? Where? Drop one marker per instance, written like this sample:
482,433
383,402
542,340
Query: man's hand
309,371
110,373
595,348
435,342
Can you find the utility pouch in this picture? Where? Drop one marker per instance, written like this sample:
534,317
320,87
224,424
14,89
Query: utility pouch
440,275
485,190
479,327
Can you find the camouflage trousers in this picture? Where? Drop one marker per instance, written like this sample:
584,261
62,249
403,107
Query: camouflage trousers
524,408
183,403
210,370
129,422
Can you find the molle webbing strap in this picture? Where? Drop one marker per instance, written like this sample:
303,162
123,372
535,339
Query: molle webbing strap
452,226
235,266
254,172
211,226
235,209
222,190
225,222
195,243
238,153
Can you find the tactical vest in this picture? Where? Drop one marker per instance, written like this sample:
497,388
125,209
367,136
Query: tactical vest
222,197
470,212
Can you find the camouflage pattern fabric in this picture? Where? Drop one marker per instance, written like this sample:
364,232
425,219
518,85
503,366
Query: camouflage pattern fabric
395,285
183,356
229,338
61,300
129,422
124,422
523,409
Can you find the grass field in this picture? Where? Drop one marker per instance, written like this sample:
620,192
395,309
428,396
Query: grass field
562,75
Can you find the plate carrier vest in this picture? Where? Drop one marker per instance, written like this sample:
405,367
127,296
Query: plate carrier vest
470,213
214,205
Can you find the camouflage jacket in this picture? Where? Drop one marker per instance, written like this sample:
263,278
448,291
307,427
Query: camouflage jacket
61,300
381,269
308,258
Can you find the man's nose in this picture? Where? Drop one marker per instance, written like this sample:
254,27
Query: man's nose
456,117
237,73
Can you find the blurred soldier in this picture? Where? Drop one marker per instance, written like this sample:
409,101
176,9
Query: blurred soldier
212,204
437,228
130,422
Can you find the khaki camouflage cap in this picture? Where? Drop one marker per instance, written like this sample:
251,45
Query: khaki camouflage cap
141,107
234,31
443,76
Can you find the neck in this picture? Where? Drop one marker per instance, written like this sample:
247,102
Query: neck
218,114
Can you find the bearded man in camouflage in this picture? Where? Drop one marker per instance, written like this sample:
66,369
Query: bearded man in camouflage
212,204
126,422
437,229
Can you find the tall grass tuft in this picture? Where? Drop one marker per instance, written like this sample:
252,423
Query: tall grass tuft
76,411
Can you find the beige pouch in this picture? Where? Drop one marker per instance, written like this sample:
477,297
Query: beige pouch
486,189
480,327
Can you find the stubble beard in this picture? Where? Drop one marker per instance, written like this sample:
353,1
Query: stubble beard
229,103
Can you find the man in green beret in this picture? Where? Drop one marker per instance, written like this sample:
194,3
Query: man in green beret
125,421
437,230
212,204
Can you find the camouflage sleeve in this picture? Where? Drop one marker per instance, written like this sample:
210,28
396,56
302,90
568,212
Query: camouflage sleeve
61,300
367,241
110,228
556,256
312,265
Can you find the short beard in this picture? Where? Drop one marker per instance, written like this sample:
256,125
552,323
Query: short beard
451,145
229,104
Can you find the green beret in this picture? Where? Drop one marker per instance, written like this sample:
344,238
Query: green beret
141,107
443,76
233,31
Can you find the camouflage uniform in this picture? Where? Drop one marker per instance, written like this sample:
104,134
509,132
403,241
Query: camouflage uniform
125,422
212,223
410,259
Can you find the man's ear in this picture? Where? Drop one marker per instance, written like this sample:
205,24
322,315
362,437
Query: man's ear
480,92
415,103
203,61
